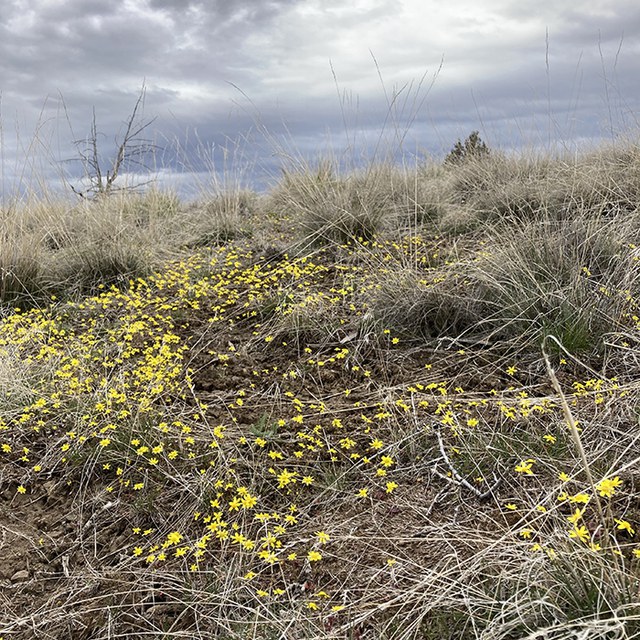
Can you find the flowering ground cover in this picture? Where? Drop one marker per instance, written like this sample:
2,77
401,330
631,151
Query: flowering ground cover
286,444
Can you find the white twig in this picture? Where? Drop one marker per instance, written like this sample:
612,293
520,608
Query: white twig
482,495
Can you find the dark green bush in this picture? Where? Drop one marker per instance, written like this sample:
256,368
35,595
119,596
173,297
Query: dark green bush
472,147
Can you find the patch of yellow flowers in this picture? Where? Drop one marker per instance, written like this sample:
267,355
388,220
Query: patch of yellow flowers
105,384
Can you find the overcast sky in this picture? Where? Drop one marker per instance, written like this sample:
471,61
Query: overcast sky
270,78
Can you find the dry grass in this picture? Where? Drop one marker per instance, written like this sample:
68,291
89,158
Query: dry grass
344,431
330,207
69,249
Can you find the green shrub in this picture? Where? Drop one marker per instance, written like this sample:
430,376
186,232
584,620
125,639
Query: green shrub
472,148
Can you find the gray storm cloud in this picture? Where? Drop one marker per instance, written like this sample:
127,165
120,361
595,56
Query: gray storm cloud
218,72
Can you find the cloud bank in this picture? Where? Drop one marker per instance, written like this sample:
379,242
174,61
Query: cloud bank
252,81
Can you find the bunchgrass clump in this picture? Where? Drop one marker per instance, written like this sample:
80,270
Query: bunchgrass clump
574,279
331,207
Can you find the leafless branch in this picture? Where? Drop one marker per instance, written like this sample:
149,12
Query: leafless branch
131,149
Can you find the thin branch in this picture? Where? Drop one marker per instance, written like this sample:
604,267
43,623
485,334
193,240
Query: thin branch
482,495
130,150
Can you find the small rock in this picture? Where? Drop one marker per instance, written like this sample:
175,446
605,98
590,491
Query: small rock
20,576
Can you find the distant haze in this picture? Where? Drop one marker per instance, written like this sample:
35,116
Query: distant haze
237,86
